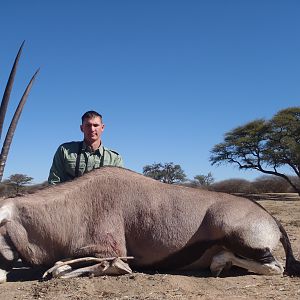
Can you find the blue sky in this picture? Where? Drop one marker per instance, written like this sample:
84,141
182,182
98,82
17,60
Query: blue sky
170,77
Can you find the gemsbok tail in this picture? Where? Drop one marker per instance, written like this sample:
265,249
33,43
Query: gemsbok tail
292,265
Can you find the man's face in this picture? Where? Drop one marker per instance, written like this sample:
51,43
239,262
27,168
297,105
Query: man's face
92,129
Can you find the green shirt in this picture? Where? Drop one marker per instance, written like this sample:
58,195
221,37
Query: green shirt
65,161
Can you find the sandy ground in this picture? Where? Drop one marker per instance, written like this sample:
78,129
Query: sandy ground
25,284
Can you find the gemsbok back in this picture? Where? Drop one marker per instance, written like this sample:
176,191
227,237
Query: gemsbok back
113,213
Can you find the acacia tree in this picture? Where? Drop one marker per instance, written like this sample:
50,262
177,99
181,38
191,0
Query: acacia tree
18,181
204,180
167,173
264,145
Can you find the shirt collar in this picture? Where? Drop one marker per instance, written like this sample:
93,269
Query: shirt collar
86,148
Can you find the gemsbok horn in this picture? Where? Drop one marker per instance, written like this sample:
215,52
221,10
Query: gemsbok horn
3,109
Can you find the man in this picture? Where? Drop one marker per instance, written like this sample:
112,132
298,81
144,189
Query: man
73,159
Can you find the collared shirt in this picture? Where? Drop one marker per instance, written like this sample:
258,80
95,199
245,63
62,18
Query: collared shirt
65,160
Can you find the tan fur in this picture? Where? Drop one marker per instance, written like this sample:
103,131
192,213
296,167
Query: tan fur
117,212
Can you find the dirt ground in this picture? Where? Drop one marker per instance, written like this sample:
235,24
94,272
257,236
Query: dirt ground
25,284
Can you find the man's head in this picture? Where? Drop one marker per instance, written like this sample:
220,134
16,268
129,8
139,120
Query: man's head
92,127
90,115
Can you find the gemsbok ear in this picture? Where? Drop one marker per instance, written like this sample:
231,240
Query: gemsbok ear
3,109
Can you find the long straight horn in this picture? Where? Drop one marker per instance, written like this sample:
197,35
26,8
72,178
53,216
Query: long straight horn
13,125
8,89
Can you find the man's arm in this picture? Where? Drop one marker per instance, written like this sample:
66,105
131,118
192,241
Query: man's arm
56,174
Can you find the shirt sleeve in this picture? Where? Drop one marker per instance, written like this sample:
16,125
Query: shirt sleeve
119,161
56,174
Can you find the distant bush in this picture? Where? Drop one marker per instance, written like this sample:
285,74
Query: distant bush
296,182
7,190
35,187
232,186
270,184
263,184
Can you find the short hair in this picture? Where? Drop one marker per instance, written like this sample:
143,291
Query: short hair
90,114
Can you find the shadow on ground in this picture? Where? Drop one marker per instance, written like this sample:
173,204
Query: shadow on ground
24,273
